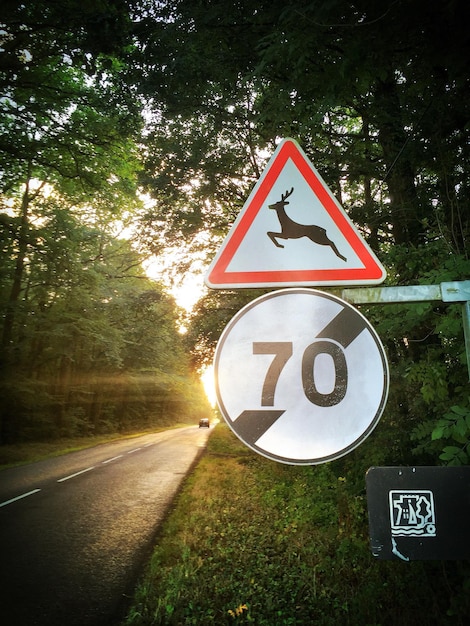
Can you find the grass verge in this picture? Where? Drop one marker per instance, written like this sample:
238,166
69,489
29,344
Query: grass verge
250,541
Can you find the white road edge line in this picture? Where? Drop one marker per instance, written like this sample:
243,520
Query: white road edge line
61,480
24,495
134,450
112,459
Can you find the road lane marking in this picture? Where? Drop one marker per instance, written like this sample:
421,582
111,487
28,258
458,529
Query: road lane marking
61,480
114,458
24,495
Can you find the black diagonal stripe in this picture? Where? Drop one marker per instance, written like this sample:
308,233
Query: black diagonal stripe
343,328
251,425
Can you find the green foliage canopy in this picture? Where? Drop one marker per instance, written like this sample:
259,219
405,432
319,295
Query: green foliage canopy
377,95
89,343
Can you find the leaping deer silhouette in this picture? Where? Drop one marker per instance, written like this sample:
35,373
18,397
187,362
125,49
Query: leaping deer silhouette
293,230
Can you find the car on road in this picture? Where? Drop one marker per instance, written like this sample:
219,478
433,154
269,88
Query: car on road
204,423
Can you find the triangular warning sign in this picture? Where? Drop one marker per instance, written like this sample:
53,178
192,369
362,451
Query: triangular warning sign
293,232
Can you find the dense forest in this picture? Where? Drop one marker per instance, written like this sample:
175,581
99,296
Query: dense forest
90,344
132,128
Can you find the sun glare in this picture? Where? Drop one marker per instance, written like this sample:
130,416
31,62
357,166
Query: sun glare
187,290
209,387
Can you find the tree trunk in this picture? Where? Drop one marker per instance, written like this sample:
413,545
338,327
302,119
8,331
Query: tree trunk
405,212
23,232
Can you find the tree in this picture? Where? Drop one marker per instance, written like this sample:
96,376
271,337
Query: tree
376,96
60,128
95,346
73,358
229,80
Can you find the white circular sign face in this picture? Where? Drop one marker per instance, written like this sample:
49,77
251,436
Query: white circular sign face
301,376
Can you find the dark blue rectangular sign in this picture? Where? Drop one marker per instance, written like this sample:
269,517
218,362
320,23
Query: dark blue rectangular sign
419,513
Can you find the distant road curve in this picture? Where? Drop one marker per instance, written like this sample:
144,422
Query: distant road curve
74,530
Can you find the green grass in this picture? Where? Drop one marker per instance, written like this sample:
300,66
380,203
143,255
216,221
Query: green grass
250,541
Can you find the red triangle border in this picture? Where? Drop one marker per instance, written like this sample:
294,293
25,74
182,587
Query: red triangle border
219,277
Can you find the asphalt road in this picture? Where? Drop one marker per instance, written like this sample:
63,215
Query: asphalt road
75,530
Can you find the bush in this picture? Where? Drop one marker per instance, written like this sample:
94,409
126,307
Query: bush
252,541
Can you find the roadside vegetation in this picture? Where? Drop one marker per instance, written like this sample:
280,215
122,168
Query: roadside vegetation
132,133
250,541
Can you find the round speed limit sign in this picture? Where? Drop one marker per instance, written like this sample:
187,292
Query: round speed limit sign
301,376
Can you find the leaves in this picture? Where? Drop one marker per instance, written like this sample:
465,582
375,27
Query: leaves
455,425
91,339
220,85
454,456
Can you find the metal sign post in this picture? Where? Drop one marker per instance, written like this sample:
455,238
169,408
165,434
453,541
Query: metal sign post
418,513
456,291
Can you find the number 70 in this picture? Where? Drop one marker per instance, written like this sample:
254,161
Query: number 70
283,350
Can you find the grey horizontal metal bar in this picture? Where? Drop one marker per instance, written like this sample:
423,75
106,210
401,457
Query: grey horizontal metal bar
386,295
458,291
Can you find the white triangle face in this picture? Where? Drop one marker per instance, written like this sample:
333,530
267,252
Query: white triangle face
292,232
257,252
